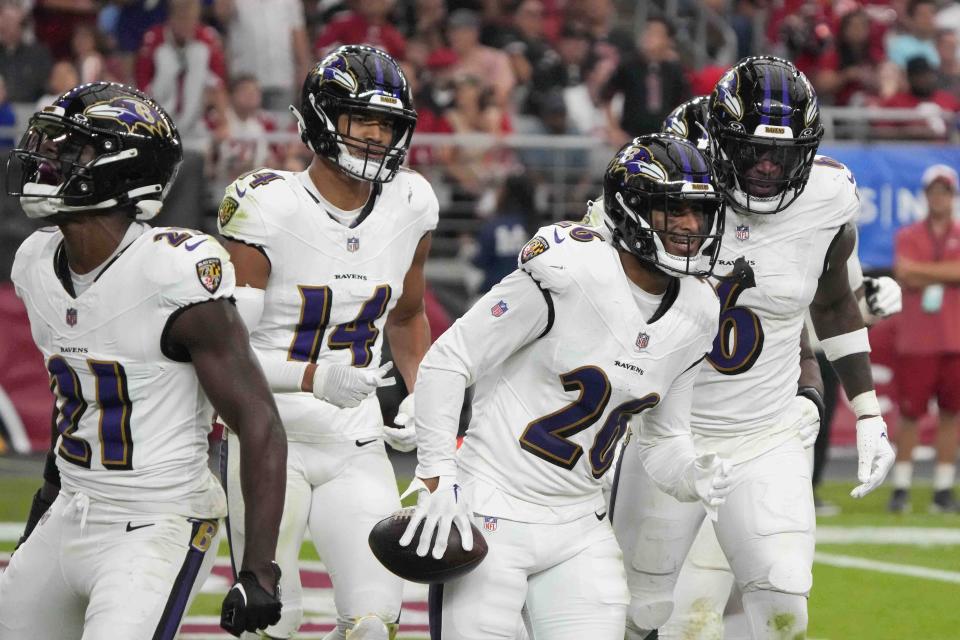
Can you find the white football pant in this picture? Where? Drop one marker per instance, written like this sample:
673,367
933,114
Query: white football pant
766,529
565,580
337,492
95,571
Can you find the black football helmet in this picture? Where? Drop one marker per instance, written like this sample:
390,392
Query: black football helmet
662,172
689,121
99,146
357,81
763,109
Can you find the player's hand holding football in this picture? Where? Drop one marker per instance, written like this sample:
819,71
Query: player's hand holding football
875,456
346,386
403,437
438,511
249,606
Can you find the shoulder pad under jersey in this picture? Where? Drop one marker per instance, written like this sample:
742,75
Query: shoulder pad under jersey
556,249
187,266
252,199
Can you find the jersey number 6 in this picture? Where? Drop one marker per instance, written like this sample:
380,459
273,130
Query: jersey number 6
546,437
740,340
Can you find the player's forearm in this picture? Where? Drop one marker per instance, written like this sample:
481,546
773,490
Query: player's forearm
842,317
809,367
439,400
667,461
409,340
263,479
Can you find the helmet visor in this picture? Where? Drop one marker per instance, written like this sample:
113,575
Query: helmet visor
681,232
765,167
50,153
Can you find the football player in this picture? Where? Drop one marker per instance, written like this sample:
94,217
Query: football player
792,223
137,329
585,335
328,259
705,580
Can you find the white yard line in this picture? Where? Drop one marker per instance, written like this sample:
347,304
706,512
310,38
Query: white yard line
851,562
920,536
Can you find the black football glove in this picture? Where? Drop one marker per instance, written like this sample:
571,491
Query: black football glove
38,507
248,607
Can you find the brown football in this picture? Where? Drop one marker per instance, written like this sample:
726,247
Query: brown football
384,541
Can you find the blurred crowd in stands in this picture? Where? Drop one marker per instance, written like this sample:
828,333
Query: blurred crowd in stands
227,69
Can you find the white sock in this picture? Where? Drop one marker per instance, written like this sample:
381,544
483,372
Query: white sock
902,475
943,476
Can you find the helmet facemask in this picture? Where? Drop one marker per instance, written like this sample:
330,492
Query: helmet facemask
359,157
654,232
771,188
357,85
100,146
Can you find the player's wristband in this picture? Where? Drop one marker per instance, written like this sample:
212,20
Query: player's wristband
813,395
866,404
846,344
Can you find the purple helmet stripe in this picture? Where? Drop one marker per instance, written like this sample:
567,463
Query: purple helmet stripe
685,162
379,67
786,97
764,118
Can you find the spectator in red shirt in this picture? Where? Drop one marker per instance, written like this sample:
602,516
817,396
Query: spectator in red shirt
239,142
365,23
847,71
491,66
181,60
927,265
925,98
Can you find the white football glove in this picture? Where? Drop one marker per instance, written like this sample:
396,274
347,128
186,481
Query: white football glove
874,455
803,414
346,387
882,297
710,481
439,510
403,437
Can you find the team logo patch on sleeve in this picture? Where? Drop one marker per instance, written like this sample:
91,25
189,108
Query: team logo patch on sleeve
534,247
228,207
499,309
210,272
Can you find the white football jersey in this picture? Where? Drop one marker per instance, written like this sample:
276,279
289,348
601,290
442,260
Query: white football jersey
132,416
750,376
331,286
562,358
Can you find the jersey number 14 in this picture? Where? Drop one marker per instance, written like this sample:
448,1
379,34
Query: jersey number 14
358,335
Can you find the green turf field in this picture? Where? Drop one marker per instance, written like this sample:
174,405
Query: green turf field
901,587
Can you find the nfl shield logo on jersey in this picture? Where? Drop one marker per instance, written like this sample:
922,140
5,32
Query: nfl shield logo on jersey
643,340
353,244
71,317
489,524
743,232
499,309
